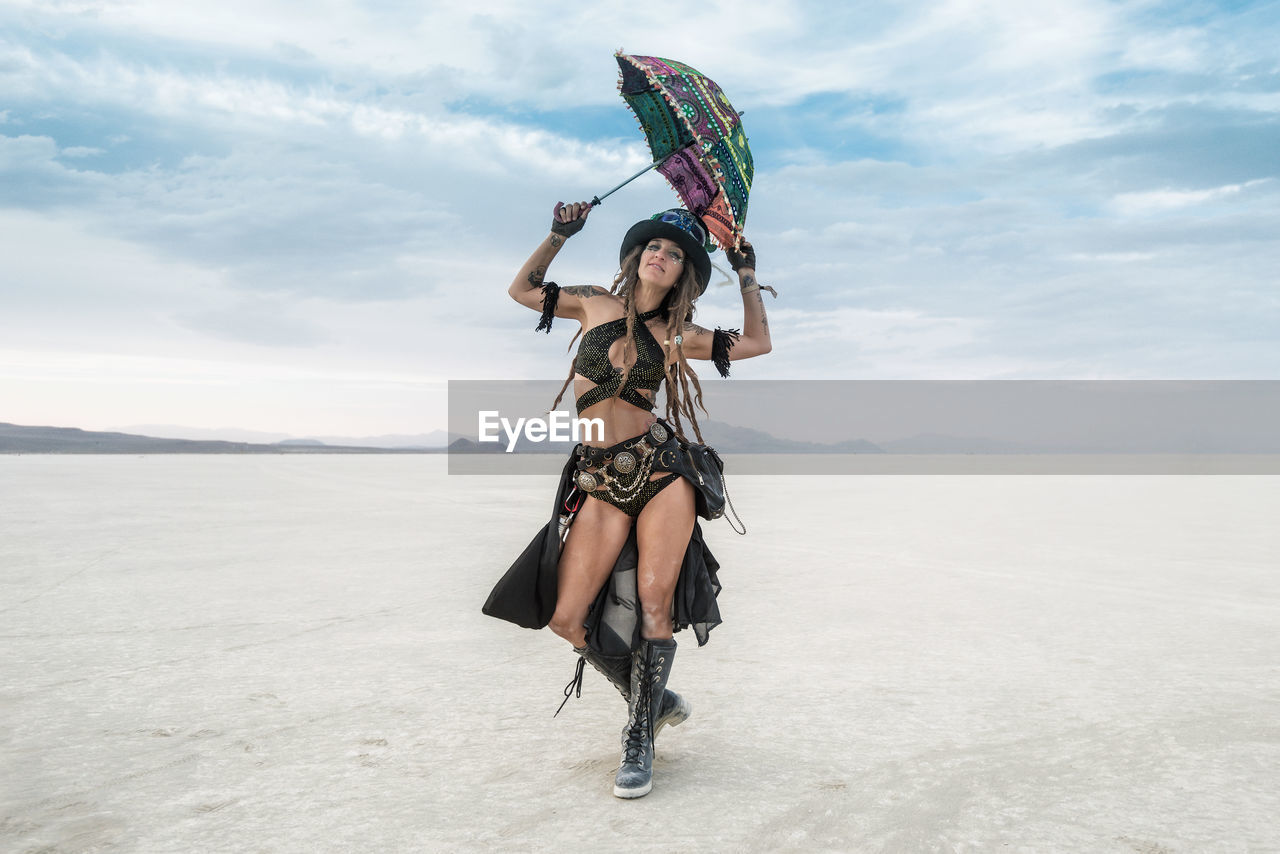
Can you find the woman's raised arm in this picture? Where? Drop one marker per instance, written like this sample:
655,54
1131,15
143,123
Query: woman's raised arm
726,345
755,339
527,287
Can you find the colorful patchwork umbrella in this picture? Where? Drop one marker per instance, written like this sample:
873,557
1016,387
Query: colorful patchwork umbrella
696,138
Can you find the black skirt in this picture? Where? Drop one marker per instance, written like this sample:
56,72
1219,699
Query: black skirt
526,593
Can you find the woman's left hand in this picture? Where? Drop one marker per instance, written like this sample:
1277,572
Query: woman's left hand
742,258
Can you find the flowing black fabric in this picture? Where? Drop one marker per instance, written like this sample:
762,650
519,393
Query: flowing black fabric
526,594
613,623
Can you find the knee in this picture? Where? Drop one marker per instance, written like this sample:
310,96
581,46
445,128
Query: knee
655,619
567,627
656,590
656,608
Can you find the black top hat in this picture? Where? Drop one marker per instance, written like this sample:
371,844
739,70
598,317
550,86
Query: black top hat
685,229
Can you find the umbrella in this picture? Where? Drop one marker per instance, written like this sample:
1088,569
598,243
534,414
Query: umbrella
696,138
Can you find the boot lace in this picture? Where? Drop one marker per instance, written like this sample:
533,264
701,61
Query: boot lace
640,727
574,686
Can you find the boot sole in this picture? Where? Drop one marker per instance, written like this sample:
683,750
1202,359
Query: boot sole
619,792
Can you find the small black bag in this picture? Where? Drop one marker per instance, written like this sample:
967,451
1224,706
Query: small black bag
705,470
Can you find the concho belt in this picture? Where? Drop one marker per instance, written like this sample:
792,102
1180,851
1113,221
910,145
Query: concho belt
636,457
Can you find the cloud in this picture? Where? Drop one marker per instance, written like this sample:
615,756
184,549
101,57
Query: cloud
1161,201
1192,146
226,103
865,342
965,189
254,321
33,177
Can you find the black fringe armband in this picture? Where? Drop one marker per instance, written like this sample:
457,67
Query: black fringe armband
550,296
721,343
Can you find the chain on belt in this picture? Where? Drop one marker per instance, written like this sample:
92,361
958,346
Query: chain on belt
624,473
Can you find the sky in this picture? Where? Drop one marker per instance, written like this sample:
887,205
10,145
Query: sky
302,219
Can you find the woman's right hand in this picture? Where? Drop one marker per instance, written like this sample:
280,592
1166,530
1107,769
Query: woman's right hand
567,220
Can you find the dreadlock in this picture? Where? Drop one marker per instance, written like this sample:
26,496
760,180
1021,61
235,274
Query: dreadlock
677,307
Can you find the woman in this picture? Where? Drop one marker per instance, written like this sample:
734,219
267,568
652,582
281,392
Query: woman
625,494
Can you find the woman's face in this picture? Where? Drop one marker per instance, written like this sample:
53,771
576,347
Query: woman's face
661,262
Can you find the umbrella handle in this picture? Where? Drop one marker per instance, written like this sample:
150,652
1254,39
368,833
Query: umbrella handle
598,199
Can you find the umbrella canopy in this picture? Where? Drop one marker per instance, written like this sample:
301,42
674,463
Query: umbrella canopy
697,135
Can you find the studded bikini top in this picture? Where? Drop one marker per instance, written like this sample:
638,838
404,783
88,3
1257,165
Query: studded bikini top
593,363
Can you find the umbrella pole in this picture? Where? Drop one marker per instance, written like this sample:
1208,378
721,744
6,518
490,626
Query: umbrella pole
598,199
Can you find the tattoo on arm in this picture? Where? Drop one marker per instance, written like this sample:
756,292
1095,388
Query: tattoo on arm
747,281
582,291
556,240
535,278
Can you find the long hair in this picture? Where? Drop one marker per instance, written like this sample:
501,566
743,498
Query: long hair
678,309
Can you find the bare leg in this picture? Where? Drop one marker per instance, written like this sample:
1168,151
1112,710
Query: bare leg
662,535
595,539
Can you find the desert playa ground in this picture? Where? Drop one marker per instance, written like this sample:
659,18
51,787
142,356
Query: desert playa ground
287,654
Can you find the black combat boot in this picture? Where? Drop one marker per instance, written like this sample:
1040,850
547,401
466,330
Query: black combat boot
675,709
650,669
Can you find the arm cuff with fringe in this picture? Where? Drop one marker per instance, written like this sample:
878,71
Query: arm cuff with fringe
550,296
721,342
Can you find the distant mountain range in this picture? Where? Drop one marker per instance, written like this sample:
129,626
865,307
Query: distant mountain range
17,439
726,438
436,439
